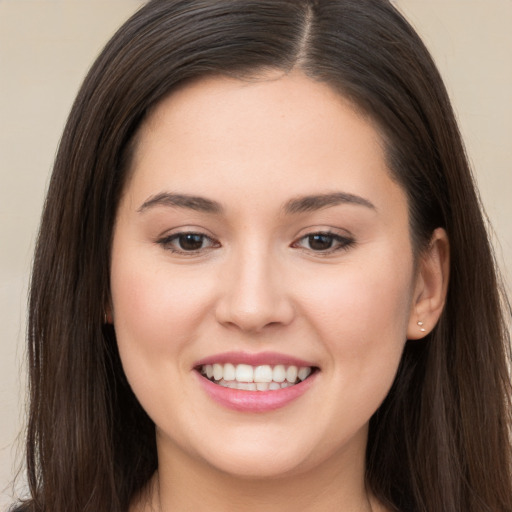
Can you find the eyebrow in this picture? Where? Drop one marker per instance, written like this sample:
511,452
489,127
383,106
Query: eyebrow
197,203
293,206
319,201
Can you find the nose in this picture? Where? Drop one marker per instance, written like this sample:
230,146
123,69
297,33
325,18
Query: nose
254,296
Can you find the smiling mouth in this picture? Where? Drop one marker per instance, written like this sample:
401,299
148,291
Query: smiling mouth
255,378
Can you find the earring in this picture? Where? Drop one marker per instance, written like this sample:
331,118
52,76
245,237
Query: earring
420,324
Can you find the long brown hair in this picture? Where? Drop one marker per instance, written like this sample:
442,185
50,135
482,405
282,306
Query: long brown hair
440,441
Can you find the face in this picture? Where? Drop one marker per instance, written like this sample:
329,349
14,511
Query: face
262,275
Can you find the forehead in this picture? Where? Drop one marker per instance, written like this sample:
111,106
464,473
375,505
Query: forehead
269,96
282,131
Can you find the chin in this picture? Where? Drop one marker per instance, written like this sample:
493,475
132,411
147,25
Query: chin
266,457
261,467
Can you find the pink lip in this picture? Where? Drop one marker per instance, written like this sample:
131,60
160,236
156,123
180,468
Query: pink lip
256,359
254,401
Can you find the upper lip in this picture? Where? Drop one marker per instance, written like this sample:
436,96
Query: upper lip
254,359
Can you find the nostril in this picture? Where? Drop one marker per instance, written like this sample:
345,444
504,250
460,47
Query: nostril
254,316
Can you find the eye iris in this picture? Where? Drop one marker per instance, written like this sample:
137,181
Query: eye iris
190,242
320,242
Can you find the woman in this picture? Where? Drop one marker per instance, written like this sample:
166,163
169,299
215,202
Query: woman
262,279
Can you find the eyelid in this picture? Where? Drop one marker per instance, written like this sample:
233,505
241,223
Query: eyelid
342,241
166,240
345,241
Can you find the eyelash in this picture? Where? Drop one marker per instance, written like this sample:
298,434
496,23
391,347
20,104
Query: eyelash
343,242
167,242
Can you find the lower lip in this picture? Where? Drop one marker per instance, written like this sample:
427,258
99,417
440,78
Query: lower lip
255,401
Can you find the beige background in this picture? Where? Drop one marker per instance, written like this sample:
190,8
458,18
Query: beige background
46,47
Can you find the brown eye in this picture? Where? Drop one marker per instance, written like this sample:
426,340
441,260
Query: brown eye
190,242
187,243
320,242
324,243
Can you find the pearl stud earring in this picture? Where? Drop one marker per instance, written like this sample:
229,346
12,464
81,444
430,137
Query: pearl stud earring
420,323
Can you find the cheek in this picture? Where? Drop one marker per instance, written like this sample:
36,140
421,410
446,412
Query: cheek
362,319
154,311
361,312
155,315
361,299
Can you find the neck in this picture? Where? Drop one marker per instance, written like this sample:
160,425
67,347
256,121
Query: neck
185,483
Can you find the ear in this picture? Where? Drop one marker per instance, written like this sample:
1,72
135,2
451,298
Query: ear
431,286
107,315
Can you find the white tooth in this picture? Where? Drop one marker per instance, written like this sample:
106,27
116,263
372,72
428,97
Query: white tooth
304,372
223,383
209,370
263,373
291,374
246,386
218,371
244,373
262,386
285,384
274,385
279,373
229,371
232,384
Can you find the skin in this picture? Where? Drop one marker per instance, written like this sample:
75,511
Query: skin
256,284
